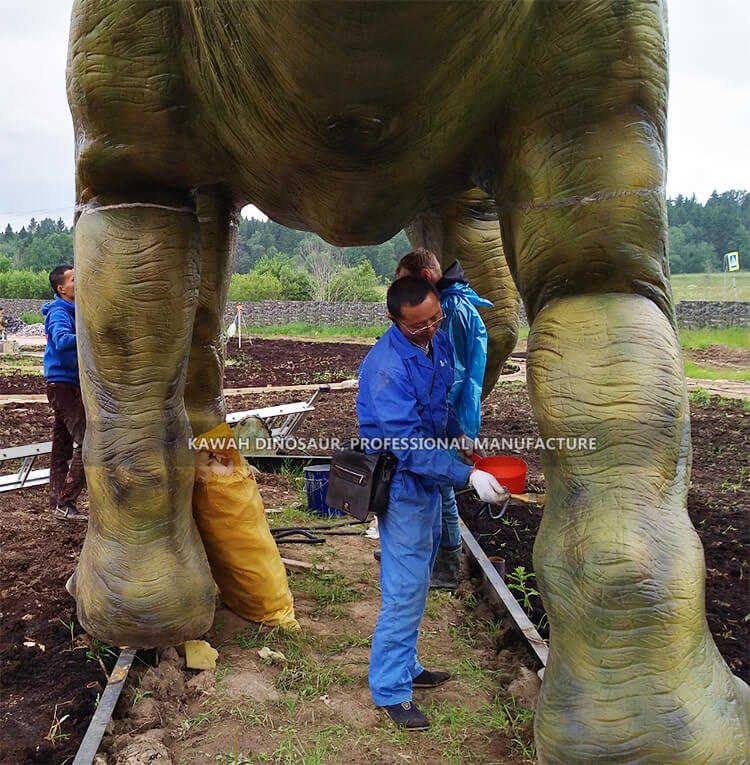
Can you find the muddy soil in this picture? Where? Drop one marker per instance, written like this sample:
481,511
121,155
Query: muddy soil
720,356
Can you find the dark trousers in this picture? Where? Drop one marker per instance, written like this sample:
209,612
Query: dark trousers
66,476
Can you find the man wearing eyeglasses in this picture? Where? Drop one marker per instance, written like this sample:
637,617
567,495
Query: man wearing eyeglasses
468,336
404,383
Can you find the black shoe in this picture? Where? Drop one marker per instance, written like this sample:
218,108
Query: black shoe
427,679
446,569
408,715
376,555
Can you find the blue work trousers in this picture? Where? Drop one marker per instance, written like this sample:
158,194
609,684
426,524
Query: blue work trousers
451,536
409,540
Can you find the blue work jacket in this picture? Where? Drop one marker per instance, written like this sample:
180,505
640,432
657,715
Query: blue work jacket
464,327
403,394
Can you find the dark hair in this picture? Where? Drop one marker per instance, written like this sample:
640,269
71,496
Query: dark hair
56,276
408,290
413,262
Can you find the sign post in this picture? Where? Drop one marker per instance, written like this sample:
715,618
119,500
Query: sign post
731,265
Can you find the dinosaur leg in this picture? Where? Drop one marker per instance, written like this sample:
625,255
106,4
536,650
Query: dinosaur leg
204,399
466,228
634,675
143,578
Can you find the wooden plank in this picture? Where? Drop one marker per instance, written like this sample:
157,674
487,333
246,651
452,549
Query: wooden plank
301,565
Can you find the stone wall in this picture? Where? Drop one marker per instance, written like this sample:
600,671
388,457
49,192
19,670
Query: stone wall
690,313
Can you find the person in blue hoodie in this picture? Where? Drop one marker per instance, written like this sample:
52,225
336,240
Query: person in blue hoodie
66,476
468,336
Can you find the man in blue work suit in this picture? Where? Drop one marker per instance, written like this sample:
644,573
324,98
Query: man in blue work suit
403,399
468,336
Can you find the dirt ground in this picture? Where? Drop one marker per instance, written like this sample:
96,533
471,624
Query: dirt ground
216,716
720,357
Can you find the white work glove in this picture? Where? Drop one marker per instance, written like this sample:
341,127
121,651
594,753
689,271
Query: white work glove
487,487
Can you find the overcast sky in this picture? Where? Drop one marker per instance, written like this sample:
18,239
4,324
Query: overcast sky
709,110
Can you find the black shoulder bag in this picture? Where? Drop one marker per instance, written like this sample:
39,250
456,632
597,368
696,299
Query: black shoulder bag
359,483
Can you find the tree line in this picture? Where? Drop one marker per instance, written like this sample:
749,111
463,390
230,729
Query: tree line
275,262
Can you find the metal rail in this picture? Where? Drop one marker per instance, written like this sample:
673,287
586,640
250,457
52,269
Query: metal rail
505,596
94,733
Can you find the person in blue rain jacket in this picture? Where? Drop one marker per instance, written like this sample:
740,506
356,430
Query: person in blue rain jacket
404,382
464,327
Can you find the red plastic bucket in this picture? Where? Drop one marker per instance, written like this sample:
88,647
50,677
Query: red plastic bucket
509,471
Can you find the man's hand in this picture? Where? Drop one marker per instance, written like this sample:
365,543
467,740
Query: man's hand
488,488
466,449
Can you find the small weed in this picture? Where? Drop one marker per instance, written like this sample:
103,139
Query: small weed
71,628
32,318
732,486
437,600
518,580
55,734
190,723
139,693
729,528
104,653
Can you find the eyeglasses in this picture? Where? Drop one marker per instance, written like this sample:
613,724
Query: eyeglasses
423,328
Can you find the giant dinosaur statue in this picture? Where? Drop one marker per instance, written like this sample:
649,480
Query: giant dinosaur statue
530,133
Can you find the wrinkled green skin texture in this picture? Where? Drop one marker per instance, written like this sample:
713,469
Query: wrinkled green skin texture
527,139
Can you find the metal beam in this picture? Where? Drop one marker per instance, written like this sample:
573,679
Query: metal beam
489,572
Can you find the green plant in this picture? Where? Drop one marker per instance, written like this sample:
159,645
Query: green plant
732,486
518,580
71,628
102,652
699,396
32,318
55,734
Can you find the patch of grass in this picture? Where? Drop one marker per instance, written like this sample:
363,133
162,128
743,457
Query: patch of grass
102,652
732,337
326,588
437,601
734,486
315,749
695,371
199,721
309,678
347,641
699,396
292,515
32,318
305,329
710,286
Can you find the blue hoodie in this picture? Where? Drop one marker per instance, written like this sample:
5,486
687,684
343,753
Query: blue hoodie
60,355
468,335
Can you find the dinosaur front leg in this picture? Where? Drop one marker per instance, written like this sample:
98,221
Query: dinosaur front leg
143,578
634,675
204,399
466,228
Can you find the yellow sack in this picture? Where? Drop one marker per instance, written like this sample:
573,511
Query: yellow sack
244,559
